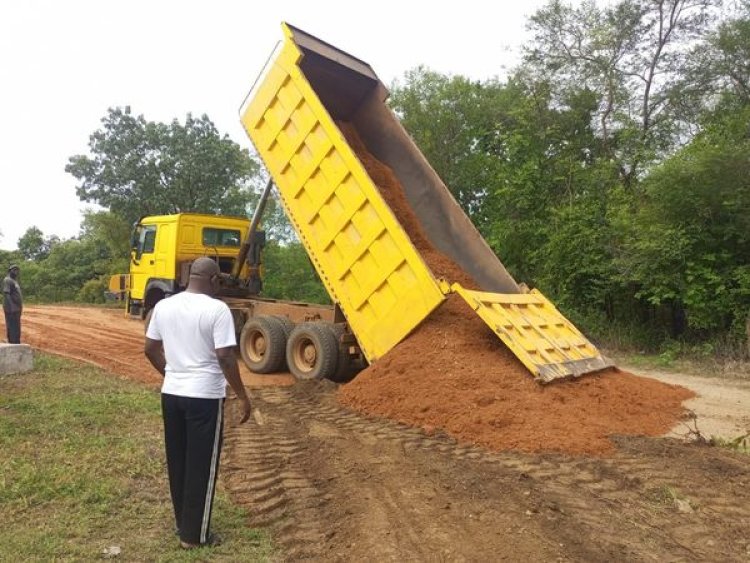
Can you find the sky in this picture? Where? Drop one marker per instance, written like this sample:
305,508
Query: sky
63,63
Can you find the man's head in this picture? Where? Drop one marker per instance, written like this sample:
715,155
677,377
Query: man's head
13,271
204,276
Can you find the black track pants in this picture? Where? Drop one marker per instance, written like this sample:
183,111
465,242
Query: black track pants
13,326
192,435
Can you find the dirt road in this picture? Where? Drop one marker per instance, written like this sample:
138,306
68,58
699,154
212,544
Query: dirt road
722,405
103,337
333,485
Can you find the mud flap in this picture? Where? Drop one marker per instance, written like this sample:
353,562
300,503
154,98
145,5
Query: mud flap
119,283
547,343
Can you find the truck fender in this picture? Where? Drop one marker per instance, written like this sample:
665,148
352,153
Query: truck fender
156,290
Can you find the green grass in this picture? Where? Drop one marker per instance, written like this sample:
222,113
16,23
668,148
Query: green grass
739,444
82,470
703,367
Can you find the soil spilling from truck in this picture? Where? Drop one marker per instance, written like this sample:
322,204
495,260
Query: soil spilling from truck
441,265
453,374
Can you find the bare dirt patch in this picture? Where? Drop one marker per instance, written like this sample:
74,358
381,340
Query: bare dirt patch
106,338
722,405
332,485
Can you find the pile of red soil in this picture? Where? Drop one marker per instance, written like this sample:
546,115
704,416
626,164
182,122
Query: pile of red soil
453,373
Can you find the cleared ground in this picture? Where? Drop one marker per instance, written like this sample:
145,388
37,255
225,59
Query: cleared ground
722,405
331,484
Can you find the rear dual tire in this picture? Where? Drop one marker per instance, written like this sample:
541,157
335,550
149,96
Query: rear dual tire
263,344
312,351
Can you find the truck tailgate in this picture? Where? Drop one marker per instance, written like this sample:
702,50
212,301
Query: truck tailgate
547,343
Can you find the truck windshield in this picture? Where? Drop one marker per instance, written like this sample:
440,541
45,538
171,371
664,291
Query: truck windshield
220,237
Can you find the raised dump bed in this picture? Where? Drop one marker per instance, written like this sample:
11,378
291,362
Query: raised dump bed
362,253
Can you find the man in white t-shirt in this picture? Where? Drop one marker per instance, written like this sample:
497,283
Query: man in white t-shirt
190,340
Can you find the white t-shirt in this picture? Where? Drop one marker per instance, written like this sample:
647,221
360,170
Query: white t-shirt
192,326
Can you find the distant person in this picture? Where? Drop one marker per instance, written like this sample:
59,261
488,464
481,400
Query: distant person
190,340
12,305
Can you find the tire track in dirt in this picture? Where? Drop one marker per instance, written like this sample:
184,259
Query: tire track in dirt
263,473
126,334
394,518
675,500
100,332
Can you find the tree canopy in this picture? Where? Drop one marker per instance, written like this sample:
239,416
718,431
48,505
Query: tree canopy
138,167
33,245
610,168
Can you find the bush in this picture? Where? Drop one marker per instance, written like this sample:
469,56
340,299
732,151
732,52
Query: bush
93,291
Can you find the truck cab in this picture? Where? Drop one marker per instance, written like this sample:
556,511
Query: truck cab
164,246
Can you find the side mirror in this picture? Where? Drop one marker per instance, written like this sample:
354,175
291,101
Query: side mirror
135,237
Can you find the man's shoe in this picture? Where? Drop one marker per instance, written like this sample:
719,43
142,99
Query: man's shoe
212,541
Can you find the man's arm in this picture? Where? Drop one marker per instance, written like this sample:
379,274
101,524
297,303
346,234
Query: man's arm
228,362
16,295
154,351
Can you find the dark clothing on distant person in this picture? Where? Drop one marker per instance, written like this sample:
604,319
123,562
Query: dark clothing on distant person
13,326
12,299
12,307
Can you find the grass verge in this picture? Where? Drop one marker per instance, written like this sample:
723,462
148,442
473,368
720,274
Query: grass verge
82,473
706,367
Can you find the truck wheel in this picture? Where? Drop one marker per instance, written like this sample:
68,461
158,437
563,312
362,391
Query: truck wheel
153,296
263,345
312,351
345,370
286,323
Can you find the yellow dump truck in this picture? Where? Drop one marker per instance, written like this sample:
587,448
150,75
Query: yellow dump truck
364,257
380,286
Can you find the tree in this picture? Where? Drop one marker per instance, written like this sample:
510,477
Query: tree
289,274
140,167
689,244
633,54
549,174
514,157
69,265
720,64
33,245
8,257
111,232
453,120
730,47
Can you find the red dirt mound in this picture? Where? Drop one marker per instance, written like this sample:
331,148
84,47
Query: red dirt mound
454,374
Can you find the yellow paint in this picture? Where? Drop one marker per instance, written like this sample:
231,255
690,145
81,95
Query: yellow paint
176,238
362,254
536,332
